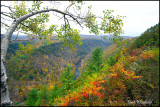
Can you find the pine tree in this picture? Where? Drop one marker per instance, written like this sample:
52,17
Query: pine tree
96,61
32,97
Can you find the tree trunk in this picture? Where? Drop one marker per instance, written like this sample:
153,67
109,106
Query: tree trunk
5,100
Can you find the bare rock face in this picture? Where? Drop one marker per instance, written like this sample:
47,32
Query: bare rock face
5,100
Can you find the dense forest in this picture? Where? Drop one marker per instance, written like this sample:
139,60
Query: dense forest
31,62
43,74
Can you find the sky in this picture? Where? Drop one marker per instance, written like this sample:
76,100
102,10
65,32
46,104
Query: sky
140,15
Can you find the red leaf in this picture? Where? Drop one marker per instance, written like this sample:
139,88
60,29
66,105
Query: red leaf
127,77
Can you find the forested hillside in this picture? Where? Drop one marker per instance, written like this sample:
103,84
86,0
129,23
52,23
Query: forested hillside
118,75
32,63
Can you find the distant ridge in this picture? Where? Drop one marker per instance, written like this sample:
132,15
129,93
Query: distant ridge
22,37
83,36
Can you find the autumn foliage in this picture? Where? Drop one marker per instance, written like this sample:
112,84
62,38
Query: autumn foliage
129,74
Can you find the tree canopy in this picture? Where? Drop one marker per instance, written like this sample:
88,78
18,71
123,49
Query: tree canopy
33,21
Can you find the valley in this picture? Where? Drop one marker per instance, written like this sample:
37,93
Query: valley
98,72
45,64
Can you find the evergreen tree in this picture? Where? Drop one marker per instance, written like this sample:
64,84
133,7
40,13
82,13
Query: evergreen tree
67,78
32,97
96,61
43,96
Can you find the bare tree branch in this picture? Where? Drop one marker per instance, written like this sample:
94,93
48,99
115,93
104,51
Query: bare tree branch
7,6
3,13
67,9
56,15
60,18
75,10
68,23
65,24
6,19
13,13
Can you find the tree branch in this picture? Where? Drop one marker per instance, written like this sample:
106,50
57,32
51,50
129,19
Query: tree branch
68,23
22,18
7,6
3,13
65,24
16,30
6,19
4,24
67,9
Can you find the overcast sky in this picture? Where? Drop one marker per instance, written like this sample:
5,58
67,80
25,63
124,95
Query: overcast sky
140,15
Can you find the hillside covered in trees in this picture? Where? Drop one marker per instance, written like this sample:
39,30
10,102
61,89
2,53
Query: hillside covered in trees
43,75
32,62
